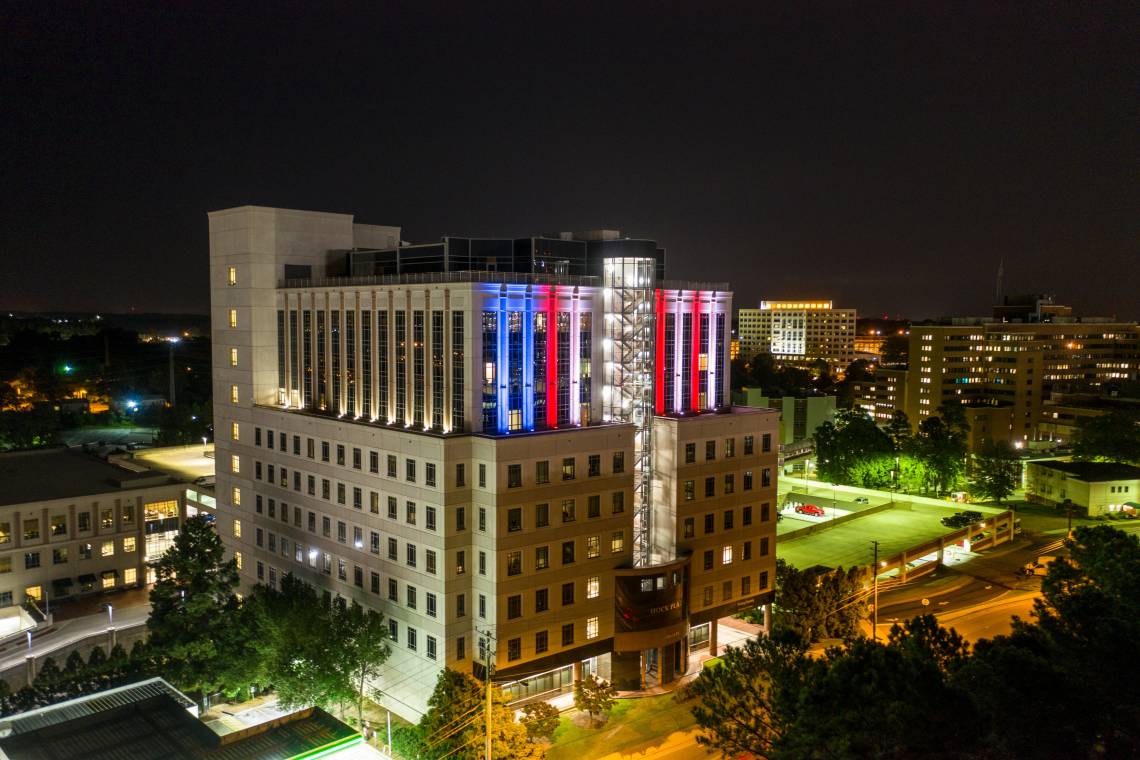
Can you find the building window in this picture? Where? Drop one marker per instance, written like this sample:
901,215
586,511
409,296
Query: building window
410,471
514,649
748,480
460,562
514,519
594,465
568,634
617,542
748,445
429,474
710,450
231,275
233,318
567,510
593,587
567,594
567,552
766,477
710,487
514,476
619,462
541,600
689,527
726,555
129,544
690,453
728,519
482,563
541,515
746,517
482,475
592,547
541,557
432,648
729,483
690,490
514,563
729,448
568,468
764,547
765,512
482,606
460,475
391,466
593,506
233,357
514,607
591,628
237,528
540,642
766,442
618,502
708,559
482,519
233,394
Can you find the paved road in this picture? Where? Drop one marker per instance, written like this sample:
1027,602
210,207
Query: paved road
977,597
63,634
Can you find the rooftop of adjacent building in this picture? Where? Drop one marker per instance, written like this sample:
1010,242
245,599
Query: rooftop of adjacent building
151,720
1093,472
61,473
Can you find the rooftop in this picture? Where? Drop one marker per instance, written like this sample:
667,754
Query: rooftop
503,278
183,462
151,720
1094,472
46,474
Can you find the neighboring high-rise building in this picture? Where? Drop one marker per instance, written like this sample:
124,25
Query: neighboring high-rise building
1015,366
800,332
882,394
494,443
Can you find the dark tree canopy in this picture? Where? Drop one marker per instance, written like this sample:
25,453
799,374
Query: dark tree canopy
1113,437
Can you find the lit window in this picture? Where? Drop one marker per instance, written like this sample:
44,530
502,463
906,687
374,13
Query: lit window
233,357
231,276
237,528
235,431
107,549
108,580
726,555
617,542
593,587
233,394
235,496
237,560
130,575
129,544
233,317
591,628
235,463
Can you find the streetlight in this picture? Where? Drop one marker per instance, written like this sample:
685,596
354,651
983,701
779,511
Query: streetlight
110,614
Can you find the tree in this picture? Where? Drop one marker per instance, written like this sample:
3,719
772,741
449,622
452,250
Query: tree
362,637
594,696
851,441
898,430
1113,437
746,702
192,603
997,470
541,720
455,726
940,445
860,369
818,603
895,349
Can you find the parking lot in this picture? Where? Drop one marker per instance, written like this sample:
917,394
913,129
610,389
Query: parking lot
897,526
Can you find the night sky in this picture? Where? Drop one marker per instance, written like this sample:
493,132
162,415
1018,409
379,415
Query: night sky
886,156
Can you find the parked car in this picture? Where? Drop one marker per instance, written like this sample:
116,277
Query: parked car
962,519
810,509
862,500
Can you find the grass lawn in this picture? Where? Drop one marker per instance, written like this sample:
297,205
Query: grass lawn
634,726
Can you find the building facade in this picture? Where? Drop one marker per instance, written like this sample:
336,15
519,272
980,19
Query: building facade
1096,488
484,446
71,525
801,332
1015,366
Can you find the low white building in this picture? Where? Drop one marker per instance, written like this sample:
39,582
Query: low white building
1099,488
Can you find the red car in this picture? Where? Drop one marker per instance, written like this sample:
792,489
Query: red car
810,509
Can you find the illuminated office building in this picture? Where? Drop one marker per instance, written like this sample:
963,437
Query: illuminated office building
494,442
799,332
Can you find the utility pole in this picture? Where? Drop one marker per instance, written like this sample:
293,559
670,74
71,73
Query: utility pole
1069,512
490,669
875,603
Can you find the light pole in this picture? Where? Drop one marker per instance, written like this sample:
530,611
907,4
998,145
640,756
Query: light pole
110,614
875,603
